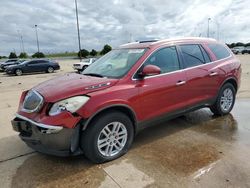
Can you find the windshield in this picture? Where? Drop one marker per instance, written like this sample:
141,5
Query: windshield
115,64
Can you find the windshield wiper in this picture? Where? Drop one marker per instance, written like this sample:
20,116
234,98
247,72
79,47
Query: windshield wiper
94,74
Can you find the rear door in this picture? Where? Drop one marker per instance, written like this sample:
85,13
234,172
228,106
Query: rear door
218,69
199,73
43,65
37,66
29,66
165,92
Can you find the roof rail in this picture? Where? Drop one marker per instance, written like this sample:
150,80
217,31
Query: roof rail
185,39
145,41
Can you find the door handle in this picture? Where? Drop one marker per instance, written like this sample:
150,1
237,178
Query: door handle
180,83
213,74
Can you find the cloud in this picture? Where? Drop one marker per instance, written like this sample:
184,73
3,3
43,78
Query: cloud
116,22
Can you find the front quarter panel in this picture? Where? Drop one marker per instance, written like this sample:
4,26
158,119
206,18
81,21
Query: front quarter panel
120,94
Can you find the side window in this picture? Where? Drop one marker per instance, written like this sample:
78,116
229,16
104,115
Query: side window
31,62
219,51
192,55
166,59
42,62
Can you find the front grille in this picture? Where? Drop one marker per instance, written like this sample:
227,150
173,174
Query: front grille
33,102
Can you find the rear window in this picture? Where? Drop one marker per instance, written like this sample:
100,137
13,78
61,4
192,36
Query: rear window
219,51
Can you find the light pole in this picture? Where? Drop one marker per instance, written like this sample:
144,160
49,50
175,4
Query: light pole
218,30
208,20
37,41
21,41
78,31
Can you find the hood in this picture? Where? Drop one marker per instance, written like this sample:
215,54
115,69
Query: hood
70,85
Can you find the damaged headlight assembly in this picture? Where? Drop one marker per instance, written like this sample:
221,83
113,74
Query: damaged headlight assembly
71,104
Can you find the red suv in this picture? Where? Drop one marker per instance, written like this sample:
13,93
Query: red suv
98,112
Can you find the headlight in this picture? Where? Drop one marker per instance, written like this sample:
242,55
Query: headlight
71,104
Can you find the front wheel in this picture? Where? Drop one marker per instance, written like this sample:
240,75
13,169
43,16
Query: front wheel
108,137
225,100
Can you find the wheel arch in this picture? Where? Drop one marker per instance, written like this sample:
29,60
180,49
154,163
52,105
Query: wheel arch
118,107
232,81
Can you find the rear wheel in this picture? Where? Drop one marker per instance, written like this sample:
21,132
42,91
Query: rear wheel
108,137
50,70
18,72
225,100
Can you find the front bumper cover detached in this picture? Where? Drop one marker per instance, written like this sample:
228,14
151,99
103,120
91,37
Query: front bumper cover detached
53,140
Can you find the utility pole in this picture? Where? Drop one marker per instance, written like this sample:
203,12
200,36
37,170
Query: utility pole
37,41
78,31
21,41
208,20
218,30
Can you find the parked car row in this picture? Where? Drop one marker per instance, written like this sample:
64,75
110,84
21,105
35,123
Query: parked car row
19,67
7,63
241,50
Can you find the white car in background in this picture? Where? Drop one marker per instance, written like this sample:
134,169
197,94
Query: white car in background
81,66
238,49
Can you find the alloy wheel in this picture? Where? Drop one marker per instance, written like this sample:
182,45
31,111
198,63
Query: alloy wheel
19,72
226,99
50,70
112,139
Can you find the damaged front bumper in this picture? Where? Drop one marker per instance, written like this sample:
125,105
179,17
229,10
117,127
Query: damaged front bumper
53,140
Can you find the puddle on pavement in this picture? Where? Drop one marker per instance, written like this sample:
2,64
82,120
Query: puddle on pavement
179,154
224,128
46,171
182,146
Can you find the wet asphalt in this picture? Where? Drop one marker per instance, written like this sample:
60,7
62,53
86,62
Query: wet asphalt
195,150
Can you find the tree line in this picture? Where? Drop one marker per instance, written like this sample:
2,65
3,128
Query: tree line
84,53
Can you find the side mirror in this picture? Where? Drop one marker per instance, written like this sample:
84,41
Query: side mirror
150,70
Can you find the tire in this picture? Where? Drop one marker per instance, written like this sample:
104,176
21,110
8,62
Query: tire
50,70
18,72
221,107
97,131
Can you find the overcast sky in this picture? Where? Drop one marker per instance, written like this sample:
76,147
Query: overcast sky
117,21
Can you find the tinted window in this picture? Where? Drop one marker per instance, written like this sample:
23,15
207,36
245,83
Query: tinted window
32,62
206,57
192,55
41,61
165,58
219,51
